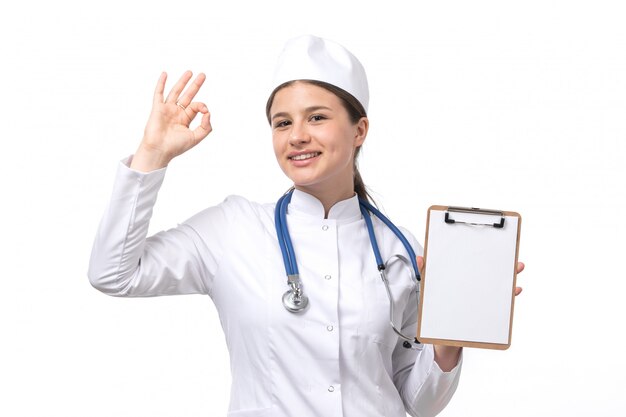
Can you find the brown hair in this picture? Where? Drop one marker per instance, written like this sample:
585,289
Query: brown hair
355,112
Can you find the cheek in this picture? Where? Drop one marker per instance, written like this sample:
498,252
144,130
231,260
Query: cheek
279,151
346,147
276,145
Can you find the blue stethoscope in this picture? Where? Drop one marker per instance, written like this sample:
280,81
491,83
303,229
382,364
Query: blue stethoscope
294,299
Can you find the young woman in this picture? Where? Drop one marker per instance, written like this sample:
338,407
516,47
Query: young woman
327,349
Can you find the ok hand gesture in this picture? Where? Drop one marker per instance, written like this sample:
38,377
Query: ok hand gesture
167,133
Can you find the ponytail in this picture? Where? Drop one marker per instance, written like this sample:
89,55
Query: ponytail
359,185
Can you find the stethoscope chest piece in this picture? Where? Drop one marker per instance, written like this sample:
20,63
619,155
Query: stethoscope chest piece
295,301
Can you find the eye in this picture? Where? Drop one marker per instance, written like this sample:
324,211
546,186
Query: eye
317,118
281,123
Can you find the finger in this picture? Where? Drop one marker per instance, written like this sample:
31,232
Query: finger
520,267
172,97
194,108
158,91
518,291
204,129
192,90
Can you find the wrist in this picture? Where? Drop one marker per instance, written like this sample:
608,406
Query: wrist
447,357
148,159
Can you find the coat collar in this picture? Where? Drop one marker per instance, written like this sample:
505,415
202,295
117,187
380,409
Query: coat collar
306,205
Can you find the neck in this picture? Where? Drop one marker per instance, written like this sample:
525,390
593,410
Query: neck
328,196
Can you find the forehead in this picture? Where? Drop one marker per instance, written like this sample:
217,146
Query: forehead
302,95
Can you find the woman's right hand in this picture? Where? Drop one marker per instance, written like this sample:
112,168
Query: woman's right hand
167,133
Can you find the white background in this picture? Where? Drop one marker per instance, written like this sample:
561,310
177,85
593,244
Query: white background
508,105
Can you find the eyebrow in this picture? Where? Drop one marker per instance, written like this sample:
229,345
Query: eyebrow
307,110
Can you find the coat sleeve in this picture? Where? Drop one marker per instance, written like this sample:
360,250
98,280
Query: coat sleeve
424,388
125,263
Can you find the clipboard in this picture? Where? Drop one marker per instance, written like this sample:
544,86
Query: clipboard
467,290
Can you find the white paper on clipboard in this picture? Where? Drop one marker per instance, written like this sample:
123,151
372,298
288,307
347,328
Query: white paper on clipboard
469,279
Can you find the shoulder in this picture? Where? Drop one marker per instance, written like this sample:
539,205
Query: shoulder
391,237
236,206
417,247
234,209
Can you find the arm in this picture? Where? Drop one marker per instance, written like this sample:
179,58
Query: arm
123,261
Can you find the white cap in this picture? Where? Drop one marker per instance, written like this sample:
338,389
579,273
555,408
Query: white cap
312,58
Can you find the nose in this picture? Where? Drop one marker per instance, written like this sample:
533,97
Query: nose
299,134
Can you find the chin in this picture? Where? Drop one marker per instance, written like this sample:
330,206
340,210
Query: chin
304,181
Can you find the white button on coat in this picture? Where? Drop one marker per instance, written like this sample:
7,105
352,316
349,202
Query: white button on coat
231,253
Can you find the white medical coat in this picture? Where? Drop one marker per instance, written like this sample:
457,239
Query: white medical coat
340,357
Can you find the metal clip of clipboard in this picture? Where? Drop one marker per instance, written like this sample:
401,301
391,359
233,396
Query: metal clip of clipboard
473,210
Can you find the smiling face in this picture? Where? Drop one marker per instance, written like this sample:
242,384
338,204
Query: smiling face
315,141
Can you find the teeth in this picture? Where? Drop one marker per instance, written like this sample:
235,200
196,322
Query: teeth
305,156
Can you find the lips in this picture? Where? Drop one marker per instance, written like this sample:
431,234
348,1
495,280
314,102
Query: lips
304,156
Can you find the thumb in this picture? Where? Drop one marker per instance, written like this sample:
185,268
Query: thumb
202,130
420,264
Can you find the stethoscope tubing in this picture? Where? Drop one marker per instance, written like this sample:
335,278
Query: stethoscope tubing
294,300
284,240
394,229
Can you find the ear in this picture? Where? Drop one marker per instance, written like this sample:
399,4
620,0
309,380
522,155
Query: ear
361,129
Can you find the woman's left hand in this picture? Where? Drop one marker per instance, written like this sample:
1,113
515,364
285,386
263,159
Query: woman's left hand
520,268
